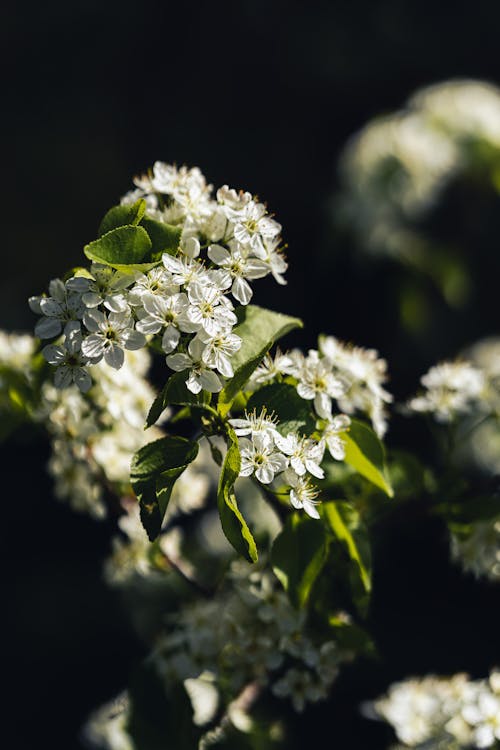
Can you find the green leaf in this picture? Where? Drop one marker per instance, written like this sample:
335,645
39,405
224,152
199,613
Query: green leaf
175,393
298,555
155,468
234,525
345,523
119,216
259,330
164,238
293,412
123,248
365,453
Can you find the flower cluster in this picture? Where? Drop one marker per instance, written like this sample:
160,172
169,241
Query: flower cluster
452,389
437,712
184,300
294,459
397,167
250,633
93,439
351,375
478,549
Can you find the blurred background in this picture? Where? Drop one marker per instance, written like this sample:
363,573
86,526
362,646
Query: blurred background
263,96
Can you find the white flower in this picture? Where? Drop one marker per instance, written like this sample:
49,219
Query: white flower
209,309
259,456
157,282
105,288
109,336
452,388
273,258
70,366
231,199
305,454
219,349
164,312
300,686
63,306
270,368
239,267
254,424
316,381
184,270
303,494
363,373
201,376
253,225
330,434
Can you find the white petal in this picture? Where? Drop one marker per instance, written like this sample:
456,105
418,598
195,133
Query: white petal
47,328
55,355
114,356
218,254
224,365
210,381
116,303
133,340
179,361
306,391
170,339
193,383
323,404
310,509
91,299
94,320
82,379
93,346
241,290
265,473
148,324
63,377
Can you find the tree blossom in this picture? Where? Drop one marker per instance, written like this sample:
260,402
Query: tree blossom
259,457
167,313
318,383
330,432
62,307
219,350
303,494
109,336
106,288
239,267
209,309
70,367
451,388
201,376
305,454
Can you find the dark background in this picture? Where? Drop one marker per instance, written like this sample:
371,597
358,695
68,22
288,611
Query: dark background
262,95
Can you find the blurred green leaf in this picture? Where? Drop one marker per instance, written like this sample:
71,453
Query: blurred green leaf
175,393
298,555
155,468
365,453
282,399
259,330
345,523
234,525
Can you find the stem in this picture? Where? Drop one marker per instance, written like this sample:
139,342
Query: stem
242,703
